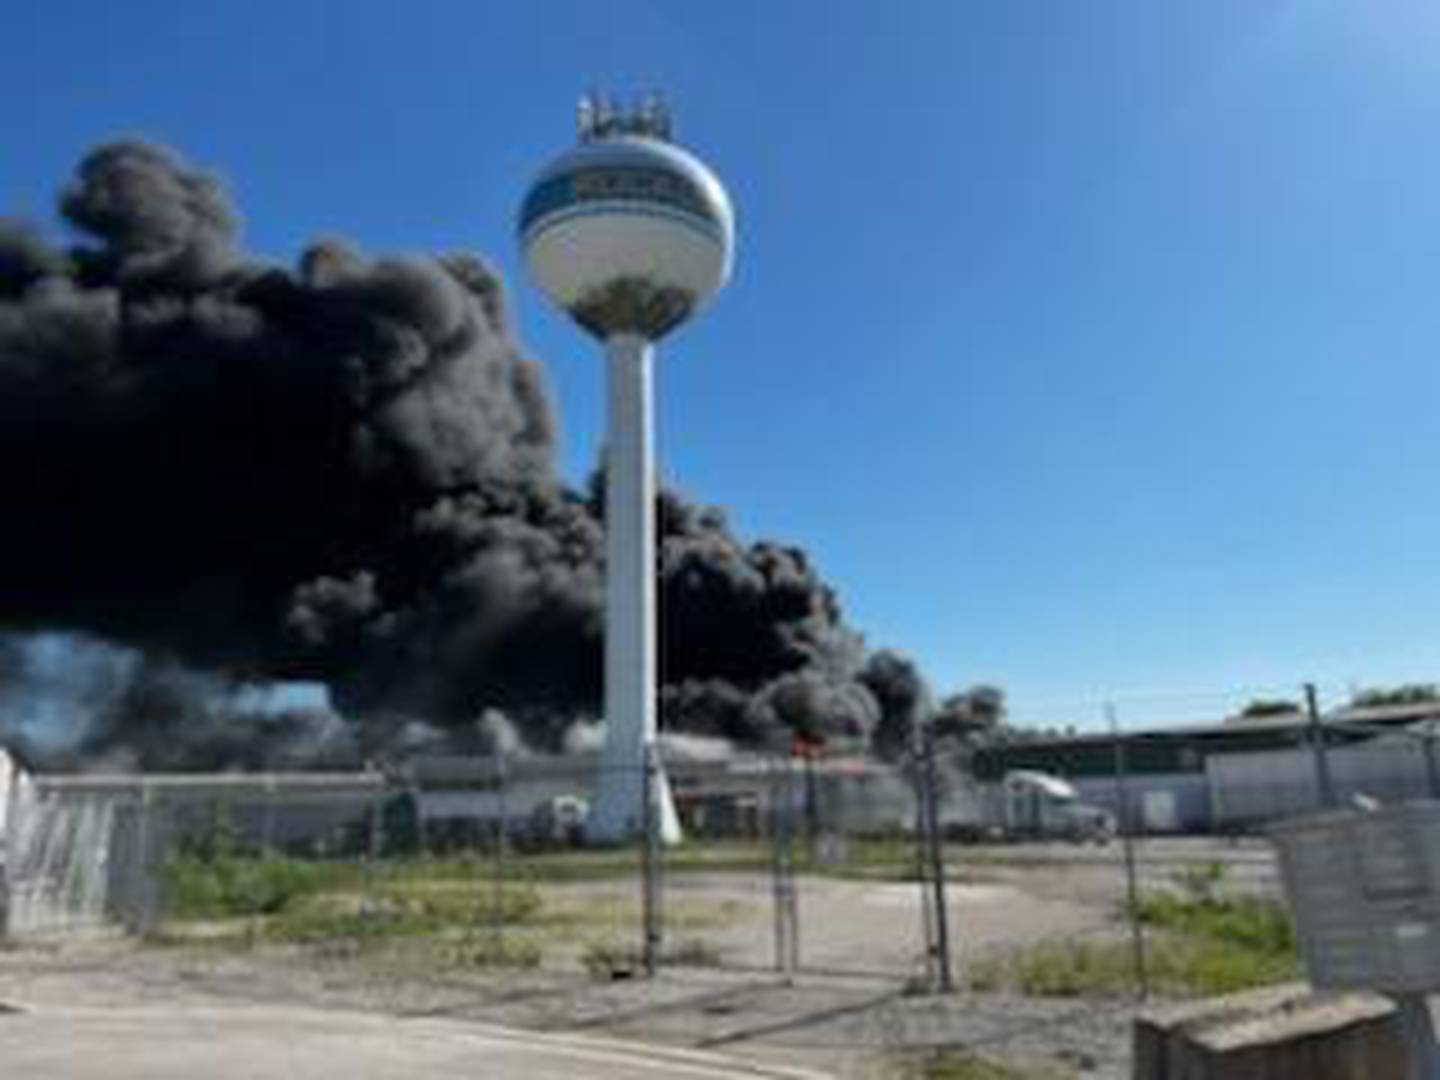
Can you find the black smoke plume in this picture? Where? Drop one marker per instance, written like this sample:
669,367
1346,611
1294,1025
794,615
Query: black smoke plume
343,472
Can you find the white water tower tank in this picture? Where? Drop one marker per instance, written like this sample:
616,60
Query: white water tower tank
628,232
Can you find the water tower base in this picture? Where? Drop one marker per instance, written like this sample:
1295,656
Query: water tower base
617,812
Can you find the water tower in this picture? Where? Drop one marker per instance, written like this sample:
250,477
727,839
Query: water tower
631,235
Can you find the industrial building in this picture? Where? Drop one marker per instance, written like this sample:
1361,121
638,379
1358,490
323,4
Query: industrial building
1236,775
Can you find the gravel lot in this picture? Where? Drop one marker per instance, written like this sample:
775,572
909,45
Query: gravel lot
847,1013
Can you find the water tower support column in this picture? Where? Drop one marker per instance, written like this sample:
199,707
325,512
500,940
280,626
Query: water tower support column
630,609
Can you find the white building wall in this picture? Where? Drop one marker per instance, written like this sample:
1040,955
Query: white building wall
1157,802
1251,789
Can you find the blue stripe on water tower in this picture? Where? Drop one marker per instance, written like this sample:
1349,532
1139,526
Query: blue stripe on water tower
626,189
614,209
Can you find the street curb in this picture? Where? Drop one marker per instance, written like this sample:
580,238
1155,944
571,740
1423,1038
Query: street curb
698,1061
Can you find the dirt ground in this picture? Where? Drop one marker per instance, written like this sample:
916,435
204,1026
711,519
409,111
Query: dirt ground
998,897
851,1011
843,1026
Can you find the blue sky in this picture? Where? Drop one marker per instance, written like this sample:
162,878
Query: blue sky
1090,348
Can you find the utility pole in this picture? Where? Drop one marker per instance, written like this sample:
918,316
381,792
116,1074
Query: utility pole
1323,780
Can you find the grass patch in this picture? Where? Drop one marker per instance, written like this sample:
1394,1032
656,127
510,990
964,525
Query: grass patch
1176,966
599,864
1200,943
230,886
964,1065
228,883
494,950
446,910
1251,923
293,900
887,858
410,909
871,858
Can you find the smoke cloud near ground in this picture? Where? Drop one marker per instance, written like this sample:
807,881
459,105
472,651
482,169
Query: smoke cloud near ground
217,473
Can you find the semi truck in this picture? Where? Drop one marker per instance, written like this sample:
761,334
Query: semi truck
1038,805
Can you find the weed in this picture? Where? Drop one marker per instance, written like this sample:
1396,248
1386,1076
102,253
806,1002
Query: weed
491,950
609,960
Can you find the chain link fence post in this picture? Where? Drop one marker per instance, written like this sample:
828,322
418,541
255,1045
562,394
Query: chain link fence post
421,838
792,909
267,819
1125,824
922,866
811,803
370,857
499,837
149,869
1432,766
782,838
651,810
933,860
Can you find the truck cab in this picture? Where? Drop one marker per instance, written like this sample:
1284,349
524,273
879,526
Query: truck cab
1040,806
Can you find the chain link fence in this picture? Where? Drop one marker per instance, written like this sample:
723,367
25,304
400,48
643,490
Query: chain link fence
787,863
1074,866
1179,895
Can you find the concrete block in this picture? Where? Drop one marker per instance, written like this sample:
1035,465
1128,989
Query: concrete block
1278,1033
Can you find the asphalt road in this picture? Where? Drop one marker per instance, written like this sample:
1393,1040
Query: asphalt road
255,1042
